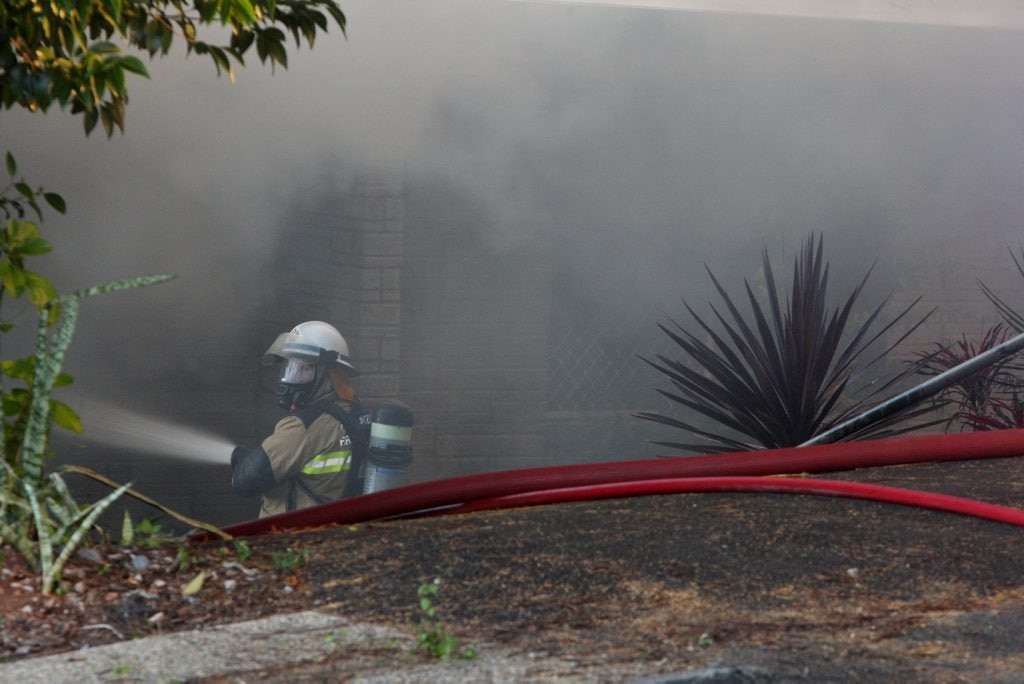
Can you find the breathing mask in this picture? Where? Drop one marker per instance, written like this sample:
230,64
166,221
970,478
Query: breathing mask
298,382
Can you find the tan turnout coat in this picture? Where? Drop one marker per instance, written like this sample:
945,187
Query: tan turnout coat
316,457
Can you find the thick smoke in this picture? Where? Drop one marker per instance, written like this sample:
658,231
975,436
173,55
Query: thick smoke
632,144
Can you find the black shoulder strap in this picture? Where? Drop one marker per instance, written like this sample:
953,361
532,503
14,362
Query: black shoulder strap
307,414
359,433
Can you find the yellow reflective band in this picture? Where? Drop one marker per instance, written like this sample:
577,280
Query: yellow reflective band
331,462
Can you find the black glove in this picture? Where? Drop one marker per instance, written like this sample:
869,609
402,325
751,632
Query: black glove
252,473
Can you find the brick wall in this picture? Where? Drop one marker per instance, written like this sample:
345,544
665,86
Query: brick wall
436,317
474,330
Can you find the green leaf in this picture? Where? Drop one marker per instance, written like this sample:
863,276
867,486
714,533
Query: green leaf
241,42
20,369
23,188
12,406
95,511
127,530
32,247
115,79
12,166
338,16
53,313
107,119
261,47
55,201
18,231
62,90
12,277
220,60
65,417
279,54
35,207
244,12
207,11
62,380
133,64
104,48
188,29
114,286
90,119
40,290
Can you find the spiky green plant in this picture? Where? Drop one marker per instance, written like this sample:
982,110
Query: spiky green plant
37,512
38,515
780,376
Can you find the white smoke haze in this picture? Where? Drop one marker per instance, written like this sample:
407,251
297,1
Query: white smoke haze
634,144
979,14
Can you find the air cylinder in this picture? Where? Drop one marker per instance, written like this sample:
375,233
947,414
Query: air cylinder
390,451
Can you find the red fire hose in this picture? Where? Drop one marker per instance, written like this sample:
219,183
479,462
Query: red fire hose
462,491
788,485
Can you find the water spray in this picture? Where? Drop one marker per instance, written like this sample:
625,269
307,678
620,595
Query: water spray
112,425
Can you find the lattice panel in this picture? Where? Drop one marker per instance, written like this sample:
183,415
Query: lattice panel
594,364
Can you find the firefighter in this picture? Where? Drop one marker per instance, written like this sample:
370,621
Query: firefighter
315,452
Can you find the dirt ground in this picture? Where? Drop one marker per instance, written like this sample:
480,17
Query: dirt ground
757,587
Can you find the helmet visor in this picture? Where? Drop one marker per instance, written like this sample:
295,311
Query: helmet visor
298,372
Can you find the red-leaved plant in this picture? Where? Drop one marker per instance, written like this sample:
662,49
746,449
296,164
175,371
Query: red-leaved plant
986,400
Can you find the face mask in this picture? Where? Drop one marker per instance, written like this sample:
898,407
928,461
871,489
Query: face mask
298,378
298,372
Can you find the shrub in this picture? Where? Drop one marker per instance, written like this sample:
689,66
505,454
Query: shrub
986,400
780,376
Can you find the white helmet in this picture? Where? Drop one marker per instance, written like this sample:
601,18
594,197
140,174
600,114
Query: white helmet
313,342
307,351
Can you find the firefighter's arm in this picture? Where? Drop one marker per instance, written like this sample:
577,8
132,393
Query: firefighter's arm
251,472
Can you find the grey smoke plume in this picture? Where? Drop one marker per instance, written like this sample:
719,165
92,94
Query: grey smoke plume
633,144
